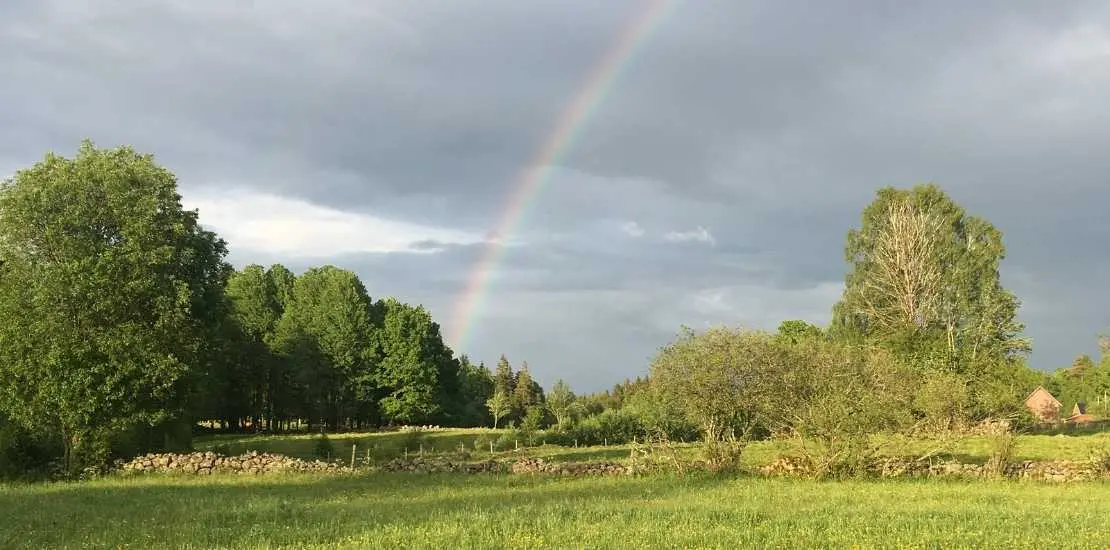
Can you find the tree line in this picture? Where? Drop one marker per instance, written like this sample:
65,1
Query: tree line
122,326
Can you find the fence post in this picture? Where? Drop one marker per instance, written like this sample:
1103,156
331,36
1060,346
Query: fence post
353,447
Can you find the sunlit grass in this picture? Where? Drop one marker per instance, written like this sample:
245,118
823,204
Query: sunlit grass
490,511
386,445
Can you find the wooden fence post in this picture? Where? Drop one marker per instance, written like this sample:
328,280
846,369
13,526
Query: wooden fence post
354,446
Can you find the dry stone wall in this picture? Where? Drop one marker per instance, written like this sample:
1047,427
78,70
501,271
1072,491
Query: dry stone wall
205,463
539,466
1053,471
427,466
209,463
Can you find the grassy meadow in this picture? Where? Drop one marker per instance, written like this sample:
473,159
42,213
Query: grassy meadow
386,445
369,509
492,511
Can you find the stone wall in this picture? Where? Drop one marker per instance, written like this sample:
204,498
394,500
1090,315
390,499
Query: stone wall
1053,471
428,466
261,463
539,466
209,463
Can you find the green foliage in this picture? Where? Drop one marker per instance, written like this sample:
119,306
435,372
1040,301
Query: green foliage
475,389
842,396
726,381
504,381
943,400
792,332
925,285
417,373
327,332
500,405
323,449
109,289
1002,442
25,452
561,402
534,419
526,392
1084,382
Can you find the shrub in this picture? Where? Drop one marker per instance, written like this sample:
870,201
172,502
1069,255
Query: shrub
530,426
843,395
723,456
1001,447
323,448
509,440
726,381
411,438
943,401
25,454
482,442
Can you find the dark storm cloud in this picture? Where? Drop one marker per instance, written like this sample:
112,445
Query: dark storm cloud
768,124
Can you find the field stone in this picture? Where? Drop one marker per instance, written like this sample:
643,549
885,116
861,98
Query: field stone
206,463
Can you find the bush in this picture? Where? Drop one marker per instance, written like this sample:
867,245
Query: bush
508,441
943,401
723,456
844,394
323,449
1001,445
25,454
411,438
530,427
482,442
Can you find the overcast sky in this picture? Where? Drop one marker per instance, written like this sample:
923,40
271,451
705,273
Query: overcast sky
714,185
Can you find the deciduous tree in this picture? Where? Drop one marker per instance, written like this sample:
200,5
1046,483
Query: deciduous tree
500,405
108,291
925,284
418,373
561,402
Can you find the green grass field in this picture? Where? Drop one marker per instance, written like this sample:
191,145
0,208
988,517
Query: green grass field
393,510
393,444
490,511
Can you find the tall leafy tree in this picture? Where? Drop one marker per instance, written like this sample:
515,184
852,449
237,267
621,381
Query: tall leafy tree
327,331
418,373
925,283
504,380
283,281
524,391
561,402
107,292
256,310
500,405
475,388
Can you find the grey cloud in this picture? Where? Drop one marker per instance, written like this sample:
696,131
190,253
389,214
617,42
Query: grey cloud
769,123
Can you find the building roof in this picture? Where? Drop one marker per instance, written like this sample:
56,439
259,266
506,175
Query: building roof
1041,389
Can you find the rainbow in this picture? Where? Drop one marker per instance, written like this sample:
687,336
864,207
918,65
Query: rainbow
532,179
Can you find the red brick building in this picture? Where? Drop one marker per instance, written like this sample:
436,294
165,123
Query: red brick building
1043,405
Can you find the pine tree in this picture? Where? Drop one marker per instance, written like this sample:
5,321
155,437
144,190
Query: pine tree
503,379
524,395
